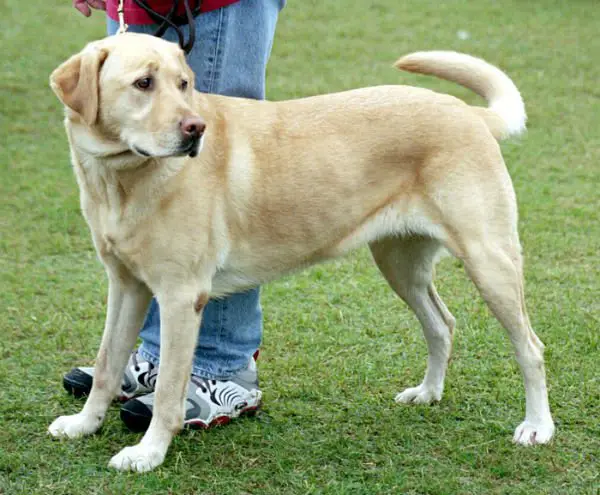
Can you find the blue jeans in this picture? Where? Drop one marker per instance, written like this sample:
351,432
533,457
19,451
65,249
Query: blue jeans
229,57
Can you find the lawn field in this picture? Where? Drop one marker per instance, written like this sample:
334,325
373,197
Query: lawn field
338,345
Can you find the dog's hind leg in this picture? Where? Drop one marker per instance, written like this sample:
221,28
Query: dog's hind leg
494,263
408,266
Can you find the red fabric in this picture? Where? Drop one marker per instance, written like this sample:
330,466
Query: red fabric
137,15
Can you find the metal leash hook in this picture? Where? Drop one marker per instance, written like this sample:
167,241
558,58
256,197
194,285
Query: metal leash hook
122,26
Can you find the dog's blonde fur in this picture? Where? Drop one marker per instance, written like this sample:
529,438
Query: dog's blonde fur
278,186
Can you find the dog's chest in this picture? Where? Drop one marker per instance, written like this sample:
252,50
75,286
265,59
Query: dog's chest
127,254
118,241
119,232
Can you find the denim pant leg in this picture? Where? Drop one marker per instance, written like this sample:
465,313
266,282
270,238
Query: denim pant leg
229,57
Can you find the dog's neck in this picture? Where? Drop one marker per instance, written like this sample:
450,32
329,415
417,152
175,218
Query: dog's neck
95,149
109,173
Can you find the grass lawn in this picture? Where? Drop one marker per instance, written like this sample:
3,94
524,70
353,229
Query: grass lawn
338,345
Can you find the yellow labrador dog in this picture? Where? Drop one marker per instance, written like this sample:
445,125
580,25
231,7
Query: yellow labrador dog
191,196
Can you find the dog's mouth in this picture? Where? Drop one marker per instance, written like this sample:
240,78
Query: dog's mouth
140,151
189,147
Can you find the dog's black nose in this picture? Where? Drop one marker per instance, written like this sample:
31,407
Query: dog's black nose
192,127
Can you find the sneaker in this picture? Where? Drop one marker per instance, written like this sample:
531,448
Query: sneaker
139,378
209,402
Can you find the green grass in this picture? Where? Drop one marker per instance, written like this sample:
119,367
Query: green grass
338,345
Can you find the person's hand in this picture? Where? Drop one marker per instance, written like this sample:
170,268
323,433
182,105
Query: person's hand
83,6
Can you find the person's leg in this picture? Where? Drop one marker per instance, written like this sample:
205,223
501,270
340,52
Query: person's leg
229,57
230,334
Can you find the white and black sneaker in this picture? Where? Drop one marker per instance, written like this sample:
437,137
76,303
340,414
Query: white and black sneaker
139,378
209,402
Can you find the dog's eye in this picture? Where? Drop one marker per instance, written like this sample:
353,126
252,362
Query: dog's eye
145,83
184,85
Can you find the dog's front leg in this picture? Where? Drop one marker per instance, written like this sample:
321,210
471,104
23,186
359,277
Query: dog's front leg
180,316
128,301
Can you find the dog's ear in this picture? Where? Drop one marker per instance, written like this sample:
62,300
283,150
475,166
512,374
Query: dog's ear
75,82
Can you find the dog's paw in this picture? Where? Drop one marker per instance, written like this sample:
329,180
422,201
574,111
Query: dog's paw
138,458
528,433
74,426
419,395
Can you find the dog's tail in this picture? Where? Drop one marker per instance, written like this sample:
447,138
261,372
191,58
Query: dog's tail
505,115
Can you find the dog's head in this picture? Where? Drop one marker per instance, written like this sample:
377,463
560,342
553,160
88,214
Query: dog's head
132,92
